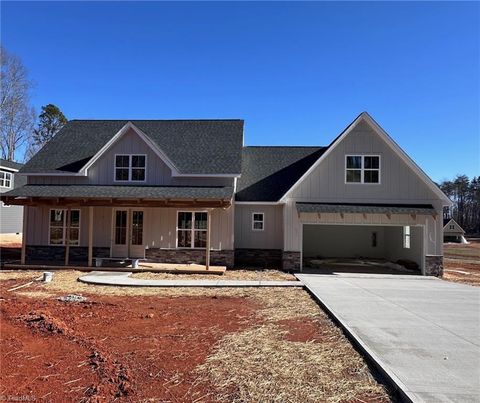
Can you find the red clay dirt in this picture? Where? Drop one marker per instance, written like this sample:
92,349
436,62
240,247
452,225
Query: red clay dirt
113,348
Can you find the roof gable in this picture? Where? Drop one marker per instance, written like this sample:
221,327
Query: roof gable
365,118
120,134
194,147
268,172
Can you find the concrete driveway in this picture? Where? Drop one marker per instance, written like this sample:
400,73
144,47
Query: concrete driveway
422,331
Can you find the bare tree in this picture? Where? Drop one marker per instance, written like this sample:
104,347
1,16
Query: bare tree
16,115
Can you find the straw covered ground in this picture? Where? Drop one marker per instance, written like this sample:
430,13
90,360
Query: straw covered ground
182,344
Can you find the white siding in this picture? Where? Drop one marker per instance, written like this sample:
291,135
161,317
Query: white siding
399,184
159,227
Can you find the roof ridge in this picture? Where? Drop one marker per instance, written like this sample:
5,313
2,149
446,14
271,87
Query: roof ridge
285,146
157,120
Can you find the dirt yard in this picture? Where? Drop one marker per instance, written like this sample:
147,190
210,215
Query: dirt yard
462,262
177,345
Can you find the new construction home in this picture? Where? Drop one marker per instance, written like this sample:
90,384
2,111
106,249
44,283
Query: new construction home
183,191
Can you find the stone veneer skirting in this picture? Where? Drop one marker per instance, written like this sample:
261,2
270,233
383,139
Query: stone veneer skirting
56,254
434,265
185,256
290,261
271,258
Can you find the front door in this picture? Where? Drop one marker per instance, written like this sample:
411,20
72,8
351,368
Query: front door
128,233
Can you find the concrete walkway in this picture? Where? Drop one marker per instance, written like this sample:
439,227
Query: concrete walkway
124,279
423,332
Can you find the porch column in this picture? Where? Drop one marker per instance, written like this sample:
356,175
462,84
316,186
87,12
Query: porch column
67,238
24,235
90,236
209,221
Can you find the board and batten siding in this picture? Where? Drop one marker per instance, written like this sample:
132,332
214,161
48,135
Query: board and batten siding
398,184
160,226
272,235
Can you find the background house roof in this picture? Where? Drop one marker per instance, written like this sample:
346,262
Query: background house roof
194,146
10,164
269,172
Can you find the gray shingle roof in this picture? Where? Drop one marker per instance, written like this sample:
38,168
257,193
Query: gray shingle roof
194,146
135,192
365,208
269,172
10,164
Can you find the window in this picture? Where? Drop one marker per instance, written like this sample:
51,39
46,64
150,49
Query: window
130,168
362,169
452,226
5,179
374,239
58,227
257,221
192,229
406,237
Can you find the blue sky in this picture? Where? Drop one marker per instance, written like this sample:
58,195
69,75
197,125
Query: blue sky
298,73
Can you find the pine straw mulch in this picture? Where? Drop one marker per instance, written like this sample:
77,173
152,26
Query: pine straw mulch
266,362
262,364
228,275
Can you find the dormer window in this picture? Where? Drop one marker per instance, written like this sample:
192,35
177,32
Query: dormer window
5,179
362,169
130,168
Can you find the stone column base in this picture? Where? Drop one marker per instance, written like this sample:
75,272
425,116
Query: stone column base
434,265
290,261
186,256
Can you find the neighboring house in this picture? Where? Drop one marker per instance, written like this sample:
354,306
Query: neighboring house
452,232
10,216
164,190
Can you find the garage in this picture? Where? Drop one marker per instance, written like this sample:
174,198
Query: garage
362,237
364,248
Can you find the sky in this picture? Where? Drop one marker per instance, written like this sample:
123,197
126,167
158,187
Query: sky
298,73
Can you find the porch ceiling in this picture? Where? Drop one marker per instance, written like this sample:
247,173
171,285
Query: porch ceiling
365,208
97,195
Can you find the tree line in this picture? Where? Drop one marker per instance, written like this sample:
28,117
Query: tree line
465,195
22,133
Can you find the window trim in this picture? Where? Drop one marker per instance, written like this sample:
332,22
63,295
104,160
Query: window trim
64,226
10,180
407,245
254,221
129,168
192,230
362,169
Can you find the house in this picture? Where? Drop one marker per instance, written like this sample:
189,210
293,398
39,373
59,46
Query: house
452,232
10,216
189,191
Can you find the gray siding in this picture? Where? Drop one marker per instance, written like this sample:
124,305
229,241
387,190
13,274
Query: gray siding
270,238
11,219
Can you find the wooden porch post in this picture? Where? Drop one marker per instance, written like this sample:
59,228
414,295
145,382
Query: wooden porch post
67,238
207,258
90,236
24,235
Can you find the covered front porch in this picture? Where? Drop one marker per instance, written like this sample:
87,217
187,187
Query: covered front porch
83,225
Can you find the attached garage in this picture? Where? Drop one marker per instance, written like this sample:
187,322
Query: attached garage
376,242
374,232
